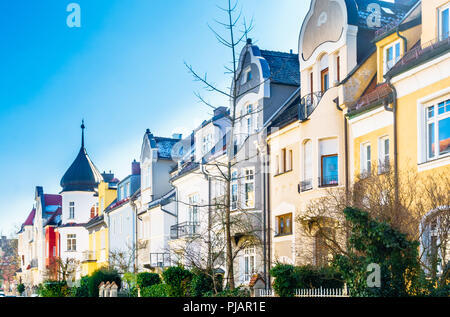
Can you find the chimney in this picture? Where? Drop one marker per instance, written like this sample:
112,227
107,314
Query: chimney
135,168
249,41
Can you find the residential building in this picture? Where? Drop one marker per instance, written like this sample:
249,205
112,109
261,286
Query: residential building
79,200
308,136
121,217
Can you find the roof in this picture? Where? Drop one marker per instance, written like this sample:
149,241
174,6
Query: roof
185,169
164,200
30,219
82,175
284,67
95,221
55,219
287,113
53,200
164,145
372,96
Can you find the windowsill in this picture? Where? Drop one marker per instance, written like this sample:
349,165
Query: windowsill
434,163
283,173
328,185
283,235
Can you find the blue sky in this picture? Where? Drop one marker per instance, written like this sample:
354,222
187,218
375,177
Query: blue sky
122,71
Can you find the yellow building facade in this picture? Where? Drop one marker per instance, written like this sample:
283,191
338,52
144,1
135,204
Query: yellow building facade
403,121
98,254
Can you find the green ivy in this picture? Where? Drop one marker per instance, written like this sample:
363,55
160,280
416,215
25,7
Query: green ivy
147,279
178,281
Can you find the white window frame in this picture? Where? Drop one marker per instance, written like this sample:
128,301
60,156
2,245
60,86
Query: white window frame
246,72
234,183
366,169
383,157
249,178
71,240
194,208
393,45
249,263
249,119
435,120
440,11
72,210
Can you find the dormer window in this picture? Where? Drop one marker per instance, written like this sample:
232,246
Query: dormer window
444,22
391,55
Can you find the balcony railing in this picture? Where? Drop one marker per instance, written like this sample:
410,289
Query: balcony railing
305,185
88,256
161,260
185,229
309,103
328,181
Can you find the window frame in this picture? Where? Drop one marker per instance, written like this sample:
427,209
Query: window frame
71,210
435,119
71,240
284,217
395,58
234,198
383,158
249,262
440,12
249,181
365,163
322,158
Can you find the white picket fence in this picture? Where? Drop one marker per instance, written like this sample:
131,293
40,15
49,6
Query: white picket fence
314,292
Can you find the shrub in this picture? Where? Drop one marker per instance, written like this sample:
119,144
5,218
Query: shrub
202,283
156,290
83,289
285,280
377,242
237,292
54,289
178,280
20,289
147,279
102,275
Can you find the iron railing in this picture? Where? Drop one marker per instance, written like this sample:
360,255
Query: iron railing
182,230
309,103
328,181
161,260
305,185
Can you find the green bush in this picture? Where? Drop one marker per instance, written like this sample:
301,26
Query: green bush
178,281
285,280
237,292
202,283
377,242
147,279
102,275
20,288
83,289
54,289
288,278
156,290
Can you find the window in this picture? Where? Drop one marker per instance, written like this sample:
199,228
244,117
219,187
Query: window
71,242
391,55
234,190
54,251
122,192
102,204
206,143
444,23
283,161
247,76
383,155
289,161
307,166
193,208
284,225
438,130
92,212
366,159
249,184
311,82
277,165
71,210
149,177
249,121
329,170
325,79
249,262
338,68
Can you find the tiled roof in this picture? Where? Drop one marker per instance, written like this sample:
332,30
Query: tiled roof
284,67
164,200
53,200
371,97
164,146
95,221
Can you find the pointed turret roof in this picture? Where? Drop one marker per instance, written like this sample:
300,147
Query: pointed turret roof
82,175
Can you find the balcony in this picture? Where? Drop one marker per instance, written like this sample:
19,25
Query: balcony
184,230
328,181
161,260
305,185
88,256
309,103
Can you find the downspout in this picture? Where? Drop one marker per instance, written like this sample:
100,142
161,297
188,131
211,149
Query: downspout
264,192
269,256
347,182
394,112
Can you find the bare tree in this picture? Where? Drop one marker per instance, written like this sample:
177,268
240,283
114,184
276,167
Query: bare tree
422,213
123,260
